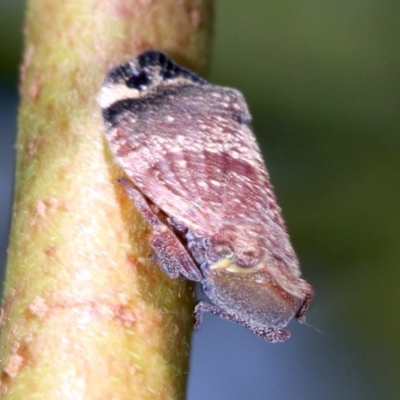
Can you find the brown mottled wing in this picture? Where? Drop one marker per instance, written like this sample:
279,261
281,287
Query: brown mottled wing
188,146
184,142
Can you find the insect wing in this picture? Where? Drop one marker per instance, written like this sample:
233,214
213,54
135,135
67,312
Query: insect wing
180,148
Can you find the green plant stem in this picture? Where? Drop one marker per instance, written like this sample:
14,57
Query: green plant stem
86,314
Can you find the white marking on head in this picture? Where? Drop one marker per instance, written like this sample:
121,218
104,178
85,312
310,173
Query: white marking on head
110,94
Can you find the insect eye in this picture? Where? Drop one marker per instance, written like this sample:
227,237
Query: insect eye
134,78
224,251
133,70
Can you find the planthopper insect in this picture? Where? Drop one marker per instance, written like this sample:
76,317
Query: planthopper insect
194,170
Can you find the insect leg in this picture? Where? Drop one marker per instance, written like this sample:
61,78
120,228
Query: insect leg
270,334
171,255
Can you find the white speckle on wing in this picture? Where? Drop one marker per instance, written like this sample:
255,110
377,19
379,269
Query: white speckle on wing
182,163
202,184
236,106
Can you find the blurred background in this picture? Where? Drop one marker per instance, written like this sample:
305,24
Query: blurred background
323,82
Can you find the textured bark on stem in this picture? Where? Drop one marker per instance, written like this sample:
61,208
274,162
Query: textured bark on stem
86,314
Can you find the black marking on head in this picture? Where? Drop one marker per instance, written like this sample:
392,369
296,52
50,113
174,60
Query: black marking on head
155,61
128,75
120,109
112,113
140,72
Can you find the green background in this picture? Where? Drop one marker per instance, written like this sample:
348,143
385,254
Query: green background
322,81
